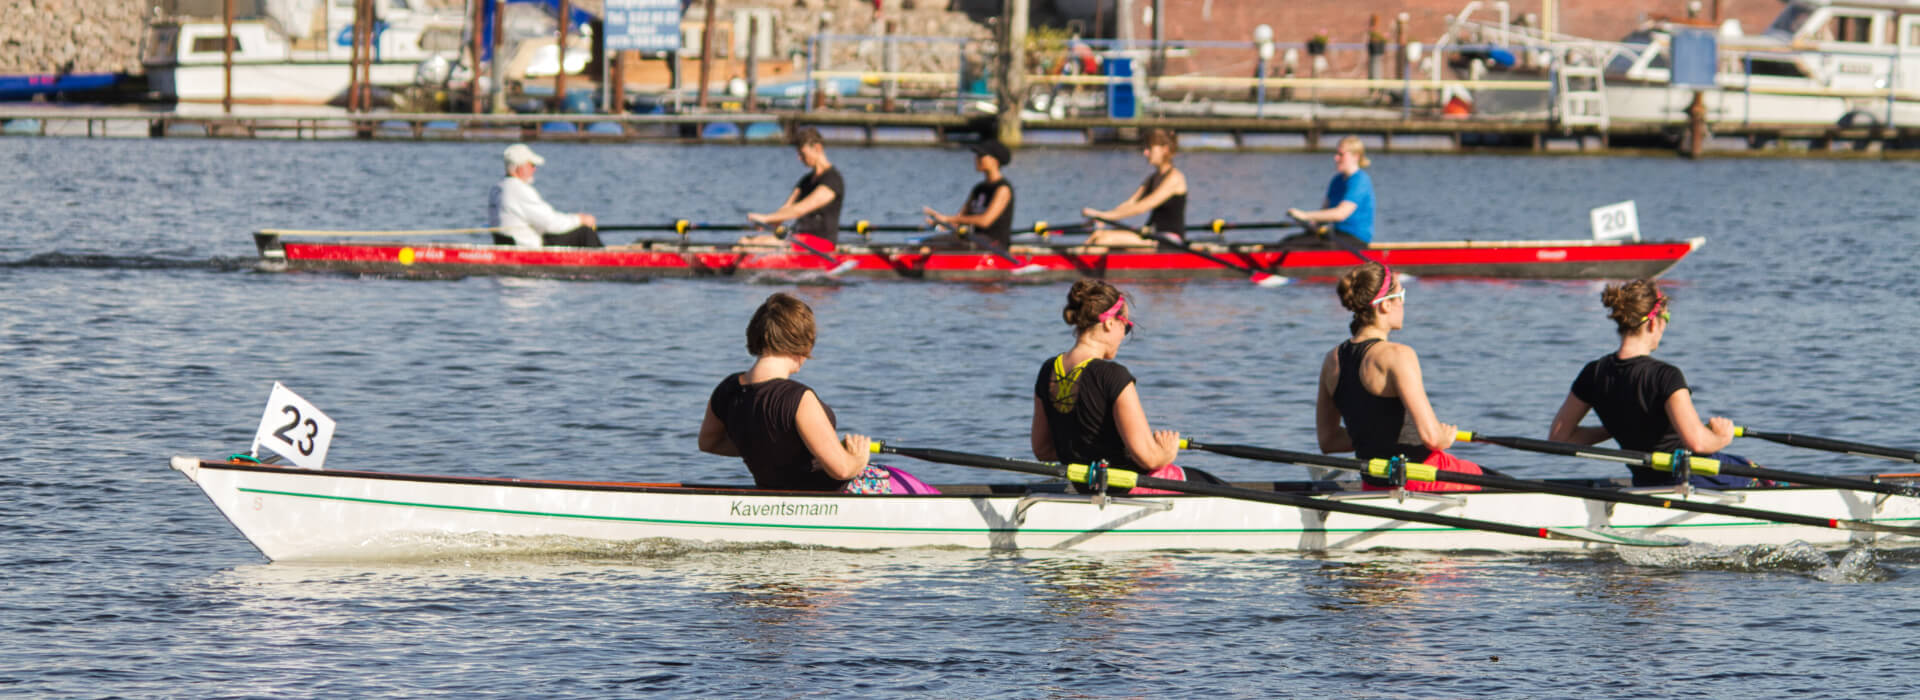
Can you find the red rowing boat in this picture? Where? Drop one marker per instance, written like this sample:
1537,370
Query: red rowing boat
1568,259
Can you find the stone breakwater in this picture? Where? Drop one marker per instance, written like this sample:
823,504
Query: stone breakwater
81,36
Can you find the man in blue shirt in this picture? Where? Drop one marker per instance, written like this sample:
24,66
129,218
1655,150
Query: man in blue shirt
1349,204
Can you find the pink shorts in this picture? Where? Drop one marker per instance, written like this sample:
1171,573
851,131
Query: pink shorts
1444,462
1171,472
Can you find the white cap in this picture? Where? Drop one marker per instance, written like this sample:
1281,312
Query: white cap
519,153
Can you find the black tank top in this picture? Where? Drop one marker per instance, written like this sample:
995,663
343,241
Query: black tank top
1171,215
1001,230
825,221
762,421
1379,425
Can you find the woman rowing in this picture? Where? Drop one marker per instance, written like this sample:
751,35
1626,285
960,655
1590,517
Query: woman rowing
1373,386
1086,408
1349,203
1163,196
988,211
814,203
1644,404
779,427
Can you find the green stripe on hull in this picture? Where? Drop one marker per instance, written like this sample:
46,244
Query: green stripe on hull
783,526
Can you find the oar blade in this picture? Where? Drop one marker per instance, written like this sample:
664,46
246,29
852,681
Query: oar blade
1603,535
1263,279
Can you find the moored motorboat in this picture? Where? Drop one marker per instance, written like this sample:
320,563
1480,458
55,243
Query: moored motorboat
1554,259
294,514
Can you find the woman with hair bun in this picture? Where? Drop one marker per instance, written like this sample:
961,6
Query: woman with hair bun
1644,404
1373,386
1162,197
1086,408
779,427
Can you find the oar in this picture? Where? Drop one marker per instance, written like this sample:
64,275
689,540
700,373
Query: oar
1322,230
1020,269
1664,461
1222,226
1121,478
1263,279
1423,472
1844,446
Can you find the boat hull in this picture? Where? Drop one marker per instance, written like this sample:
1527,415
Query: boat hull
1575,259
299,515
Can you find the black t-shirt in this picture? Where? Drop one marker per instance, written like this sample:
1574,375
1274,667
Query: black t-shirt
1171,215
762,421
1630,396
1086,432
1378,425
825,221
1001,230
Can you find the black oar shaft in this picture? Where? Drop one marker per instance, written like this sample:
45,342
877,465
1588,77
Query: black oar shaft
1204,489
1166,240
1700,464
1500,482
1831,445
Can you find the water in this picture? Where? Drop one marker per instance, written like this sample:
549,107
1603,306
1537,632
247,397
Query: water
132,330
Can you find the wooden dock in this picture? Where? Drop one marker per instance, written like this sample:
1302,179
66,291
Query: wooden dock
882,128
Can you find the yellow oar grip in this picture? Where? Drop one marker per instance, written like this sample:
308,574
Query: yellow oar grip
1739,431
861,226
1664,462
1463,436
874,447
1039,227
1116,478
680,226
1183,443
1219,225
1415,470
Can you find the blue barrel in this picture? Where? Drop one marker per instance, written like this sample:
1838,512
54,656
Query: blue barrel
580,102
1120,98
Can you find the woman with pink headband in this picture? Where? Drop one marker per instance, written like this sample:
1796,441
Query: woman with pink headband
1373,387
1086,408
1643,403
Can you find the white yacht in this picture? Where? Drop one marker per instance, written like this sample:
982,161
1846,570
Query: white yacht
289,52
1825,62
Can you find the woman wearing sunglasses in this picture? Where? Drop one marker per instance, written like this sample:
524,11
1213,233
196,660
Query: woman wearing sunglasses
1643,403
1372,386
1086,408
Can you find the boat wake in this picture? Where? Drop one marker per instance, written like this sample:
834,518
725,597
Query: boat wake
132,262
1856,565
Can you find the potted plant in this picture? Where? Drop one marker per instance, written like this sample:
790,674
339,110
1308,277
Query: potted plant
1317,45
1376,44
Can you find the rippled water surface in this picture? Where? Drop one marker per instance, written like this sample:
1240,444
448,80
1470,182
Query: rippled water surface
132,329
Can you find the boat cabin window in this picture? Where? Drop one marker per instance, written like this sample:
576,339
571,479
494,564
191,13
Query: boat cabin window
1790,20
213,44
1781,67
1913,34
1849,28
440,39
400,5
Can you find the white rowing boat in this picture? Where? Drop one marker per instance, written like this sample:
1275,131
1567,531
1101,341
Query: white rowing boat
299,514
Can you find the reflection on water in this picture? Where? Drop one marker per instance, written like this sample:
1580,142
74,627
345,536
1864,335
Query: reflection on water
1102,588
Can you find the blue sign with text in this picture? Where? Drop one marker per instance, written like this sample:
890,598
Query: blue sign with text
643,25
1696,58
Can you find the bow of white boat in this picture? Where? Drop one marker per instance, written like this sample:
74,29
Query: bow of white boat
186,465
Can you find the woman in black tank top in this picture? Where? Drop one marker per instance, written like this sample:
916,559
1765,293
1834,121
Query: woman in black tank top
1644,404
1372,400
779,427
1163,194
1086,408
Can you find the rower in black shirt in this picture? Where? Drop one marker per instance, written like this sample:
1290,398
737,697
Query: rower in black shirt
814,203
988,211
1644,404
1163,194
1086,408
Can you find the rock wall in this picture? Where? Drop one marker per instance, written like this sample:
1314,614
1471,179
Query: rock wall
82,36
